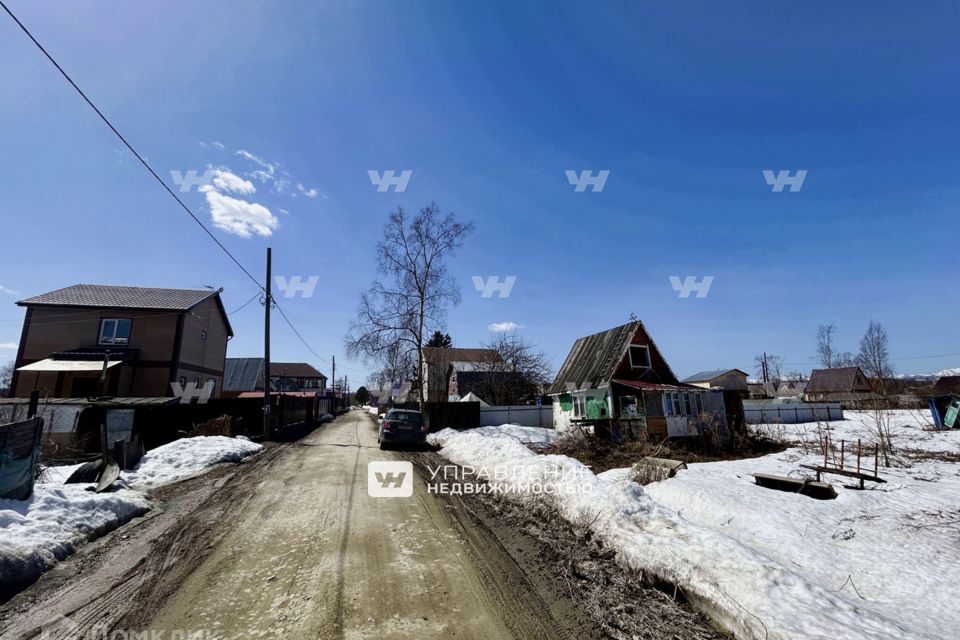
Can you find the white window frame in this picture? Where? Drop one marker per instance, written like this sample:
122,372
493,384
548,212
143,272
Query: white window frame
579,404
630,354
116,324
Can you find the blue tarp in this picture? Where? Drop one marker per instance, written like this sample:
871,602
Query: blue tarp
19,454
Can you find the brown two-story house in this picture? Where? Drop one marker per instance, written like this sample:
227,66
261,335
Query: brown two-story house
147,338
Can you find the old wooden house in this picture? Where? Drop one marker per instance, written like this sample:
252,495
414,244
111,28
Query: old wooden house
619,378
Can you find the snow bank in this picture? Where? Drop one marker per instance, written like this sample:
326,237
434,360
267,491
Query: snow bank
748,589
50,525
185,458
526,435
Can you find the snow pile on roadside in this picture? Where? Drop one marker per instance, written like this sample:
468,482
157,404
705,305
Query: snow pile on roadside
526,435
185,458
743,588
51,524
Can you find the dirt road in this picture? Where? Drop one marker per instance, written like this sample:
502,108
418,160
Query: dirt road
291,546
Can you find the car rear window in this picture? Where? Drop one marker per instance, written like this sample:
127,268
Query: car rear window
405,416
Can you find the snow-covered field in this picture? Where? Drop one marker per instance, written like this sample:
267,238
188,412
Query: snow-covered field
880,563
51,524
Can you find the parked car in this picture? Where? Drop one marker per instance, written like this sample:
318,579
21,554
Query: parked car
402,425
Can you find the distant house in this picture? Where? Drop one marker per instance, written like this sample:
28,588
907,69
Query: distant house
442,364
621,374
844,383
727,379
791,389
947,385
244,375
147,338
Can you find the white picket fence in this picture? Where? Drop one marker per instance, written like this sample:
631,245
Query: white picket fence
525,415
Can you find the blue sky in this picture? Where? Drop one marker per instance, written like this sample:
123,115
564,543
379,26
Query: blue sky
488,103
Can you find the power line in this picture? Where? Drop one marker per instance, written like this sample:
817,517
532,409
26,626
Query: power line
156,176
241,307
128,145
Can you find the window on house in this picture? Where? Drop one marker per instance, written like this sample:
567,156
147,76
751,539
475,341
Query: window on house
688,409
114,331
212,383
579,405
628,406
699,400
639,357
671,403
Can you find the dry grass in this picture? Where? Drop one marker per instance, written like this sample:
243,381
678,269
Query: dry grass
601,455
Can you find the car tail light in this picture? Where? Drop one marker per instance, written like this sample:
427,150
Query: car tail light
423,428
387,425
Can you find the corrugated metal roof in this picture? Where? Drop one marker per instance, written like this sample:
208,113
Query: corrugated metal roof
243,374
658,386
706,376
246,374
106,402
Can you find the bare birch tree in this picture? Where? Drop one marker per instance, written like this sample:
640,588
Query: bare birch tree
826,354
515,373
412,302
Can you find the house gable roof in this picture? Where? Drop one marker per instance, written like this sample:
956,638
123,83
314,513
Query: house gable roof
433,355
947,384
294,370
117,297
706,376
593,360
246,374
839,380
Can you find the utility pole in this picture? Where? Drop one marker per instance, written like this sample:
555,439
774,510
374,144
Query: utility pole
266,355
766,379
333,379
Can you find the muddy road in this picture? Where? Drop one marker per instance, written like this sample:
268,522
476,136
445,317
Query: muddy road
290,545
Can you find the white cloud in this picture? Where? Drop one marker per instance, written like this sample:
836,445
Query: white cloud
268,168
218,145
504,326
310,193
4,289
239,216
9,345
226,181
